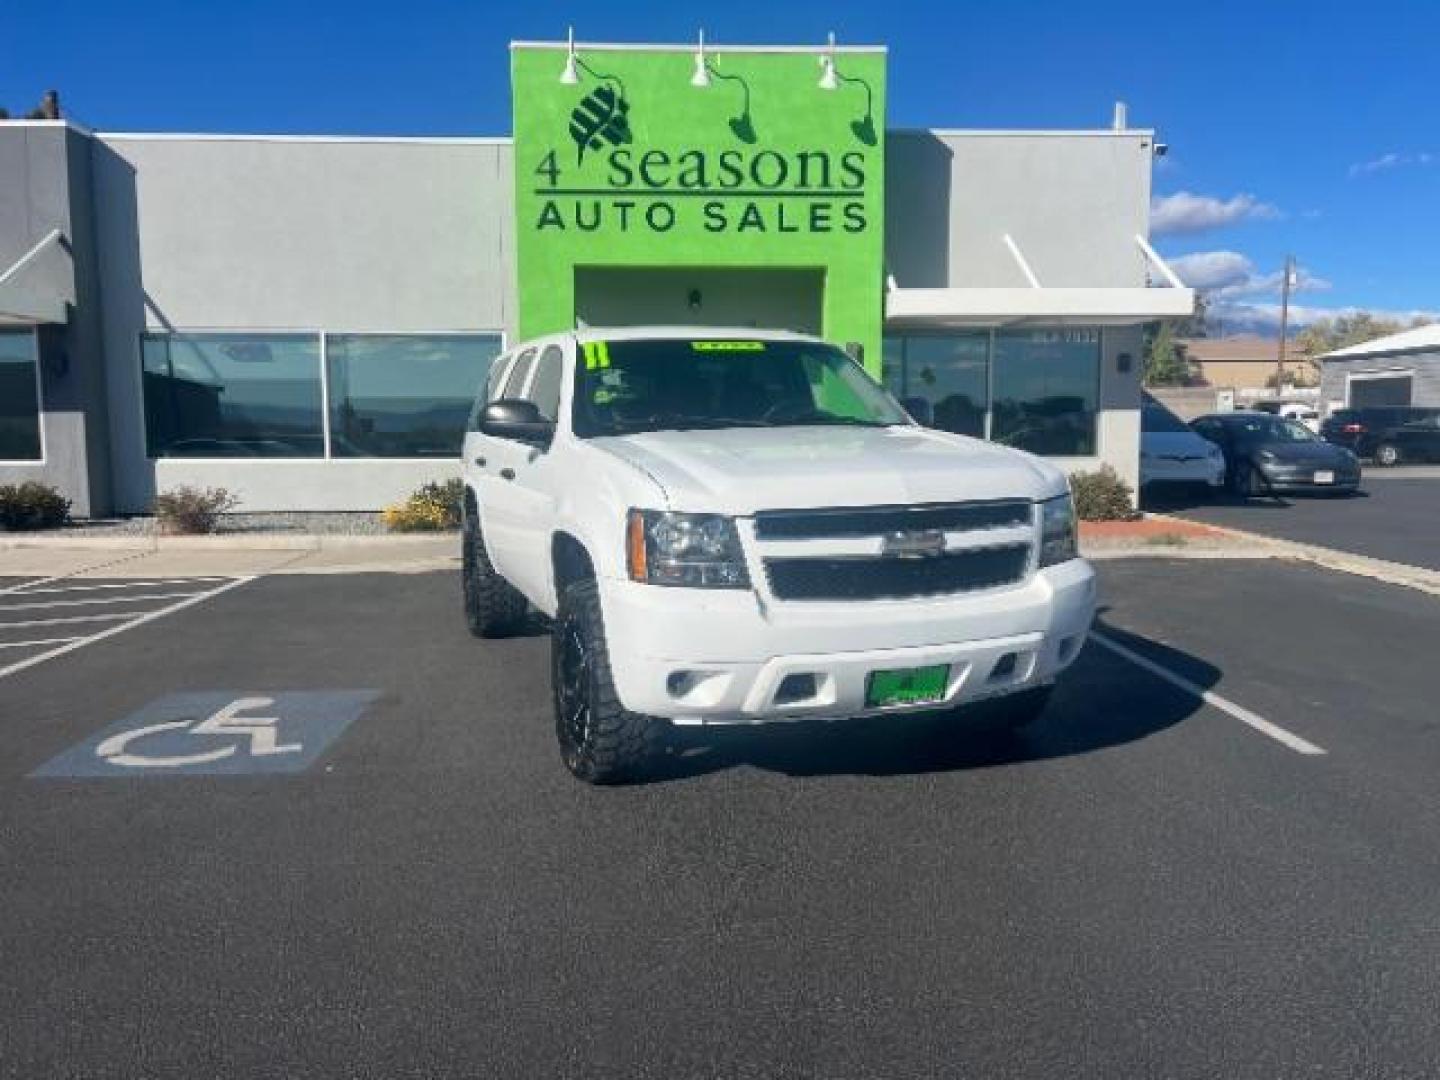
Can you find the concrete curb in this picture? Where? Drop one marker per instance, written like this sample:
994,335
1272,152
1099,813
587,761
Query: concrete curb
1254,546
239,542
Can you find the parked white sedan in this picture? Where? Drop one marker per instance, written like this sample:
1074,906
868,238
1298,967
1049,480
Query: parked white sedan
1170,453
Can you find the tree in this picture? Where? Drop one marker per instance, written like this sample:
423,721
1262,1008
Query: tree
1165,361
1327,335
1195,325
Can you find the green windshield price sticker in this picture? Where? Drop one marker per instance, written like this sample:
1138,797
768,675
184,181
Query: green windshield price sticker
909,686
728,346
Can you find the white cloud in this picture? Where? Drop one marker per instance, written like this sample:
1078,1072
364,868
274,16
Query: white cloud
1240,299
1186,212
1392,160
1235,317
1229,275
1212,269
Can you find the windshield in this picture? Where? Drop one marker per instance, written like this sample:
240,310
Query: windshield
678,384
1154,419
1273,429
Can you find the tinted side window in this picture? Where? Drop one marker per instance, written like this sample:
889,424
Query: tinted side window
516,382
497,375
545,391
487,391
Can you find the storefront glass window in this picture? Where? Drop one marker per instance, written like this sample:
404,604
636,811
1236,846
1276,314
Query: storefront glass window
233,395
19,403
404,395
948,372
1047,389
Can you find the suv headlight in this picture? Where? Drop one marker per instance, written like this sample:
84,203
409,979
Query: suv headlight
697,551
1057,531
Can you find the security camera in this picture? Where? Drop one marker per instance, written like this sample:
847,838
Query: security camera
1161,149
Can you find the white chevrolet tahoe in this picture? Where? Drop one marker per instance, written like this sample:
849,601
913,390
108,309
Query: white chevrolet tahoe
733,527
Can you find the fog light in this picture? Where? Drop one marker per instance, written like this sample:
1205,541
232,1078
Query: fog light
799,686
1004,668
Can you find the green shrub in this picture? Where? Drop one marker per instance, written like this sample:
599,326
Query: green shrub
32,505
1102,496
435,507
192,510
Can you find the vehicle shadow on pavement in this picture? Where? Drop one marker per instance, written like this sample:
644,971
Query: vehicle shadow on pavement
1103,701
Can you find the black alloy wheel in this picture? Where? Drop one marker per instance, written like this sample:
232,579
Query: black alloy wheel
574,693
601,741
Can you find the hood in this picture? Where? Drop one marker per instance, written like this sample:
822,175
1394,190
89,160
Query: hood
741,470
1175,444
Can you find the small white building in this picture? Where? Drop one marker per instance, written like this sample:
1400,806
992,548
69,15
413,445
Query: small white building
1400,369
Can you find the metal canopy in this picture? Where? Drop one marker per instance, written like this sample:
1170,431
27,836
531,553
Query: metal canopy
1038,305
39,286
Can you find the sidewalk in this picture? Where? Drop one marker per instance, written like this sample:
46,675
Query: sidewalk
185,556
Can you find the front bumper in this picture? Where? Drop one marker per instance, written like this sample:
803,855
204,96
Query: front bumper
707,656
1302,478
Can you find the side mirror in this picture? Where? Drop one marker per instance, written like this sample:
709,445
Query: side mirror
511,418
920,410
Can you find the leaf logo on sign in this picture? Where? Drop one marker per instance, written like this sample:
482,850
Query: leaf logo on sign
601,117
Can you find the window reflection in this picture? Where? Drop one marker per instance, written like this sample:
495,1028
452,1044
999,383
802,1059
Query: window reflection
19,405
404,395
949,373
1045,385
1047,388
232,395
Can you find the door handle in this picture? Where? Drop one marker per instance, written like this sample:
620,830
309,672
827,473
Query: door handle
480,461
508,474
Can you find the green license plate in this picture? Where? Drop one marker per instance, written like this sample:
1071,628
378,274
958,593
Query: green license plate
908,686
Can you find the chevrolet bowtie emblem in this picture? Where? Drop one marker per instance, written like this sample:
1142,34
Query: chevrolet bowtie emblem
916,544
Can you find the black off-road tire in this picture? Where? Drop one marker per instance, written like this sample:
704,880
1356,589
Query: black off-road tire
1249,482
493,607
601,742
1387,454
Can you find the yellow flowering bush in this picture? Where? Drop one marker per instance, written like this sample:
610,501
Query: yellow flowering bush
433,508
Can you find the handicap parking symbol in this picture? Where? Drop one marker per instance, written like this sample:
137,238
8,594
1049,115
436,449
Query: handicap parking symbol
216,732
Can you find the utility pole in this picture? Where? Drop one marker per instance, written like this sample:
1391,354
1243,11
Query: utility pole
1284,322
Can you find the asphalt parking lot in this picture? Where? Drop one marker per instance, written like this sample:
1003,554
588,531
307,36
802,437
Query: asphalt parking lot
1146,884
1395,516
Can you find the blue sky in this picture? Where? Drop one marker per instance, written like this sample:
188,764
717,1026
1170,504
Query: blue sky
1305,127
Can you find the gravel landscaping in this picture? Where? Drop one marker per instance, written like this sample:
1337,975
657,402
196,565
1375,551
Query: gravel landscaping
322,524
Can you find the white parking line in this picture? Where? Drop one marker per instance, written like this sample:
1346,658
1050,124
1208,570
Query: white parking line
1225,705
191,599
69,619
26,584
89,569
96,600
41,641
121,585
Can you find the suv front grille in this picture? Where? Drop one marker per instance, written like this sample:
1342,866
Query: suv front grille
879,520
883,577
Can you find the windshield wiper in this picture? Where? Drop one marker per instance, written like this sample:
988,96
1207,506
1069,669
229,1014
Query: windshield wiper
820,419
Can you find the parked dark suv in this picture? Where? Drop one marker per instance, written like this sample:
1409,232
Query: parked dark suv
1365,430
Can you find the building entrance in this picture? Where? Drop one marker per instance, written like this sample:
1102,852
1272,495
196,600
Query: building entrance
783,299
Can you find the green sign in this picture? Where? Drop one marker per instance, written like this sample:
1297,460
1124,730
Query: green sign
634,166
